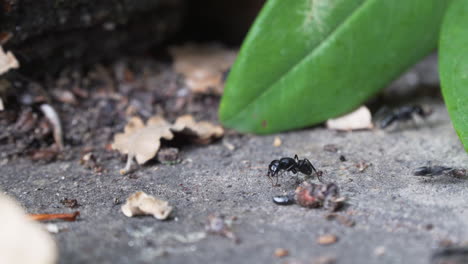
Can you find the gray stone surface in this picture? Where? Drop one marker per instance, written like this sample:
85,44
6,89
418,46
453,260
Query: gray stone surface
392,209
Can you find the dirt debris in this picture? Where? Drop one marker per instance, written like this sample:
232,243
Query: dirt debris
362,166
325,260
342,219
141,203
327,239
219,225
70,203
281,253
330,148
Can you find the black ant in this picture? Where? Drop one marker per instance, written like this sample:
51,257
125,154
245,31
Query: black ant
403,113
293,165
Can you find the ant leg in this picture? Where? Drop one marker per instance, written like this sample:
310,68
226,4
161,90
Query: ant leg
296,158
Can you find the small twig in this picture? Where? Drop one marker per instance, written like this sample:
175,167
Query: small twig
47,217
54,119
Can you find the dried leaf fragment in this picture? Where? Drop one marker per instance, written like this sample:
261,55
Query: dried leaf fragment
141,203
359,119
142,141
7,61
203,132
203,66
23,240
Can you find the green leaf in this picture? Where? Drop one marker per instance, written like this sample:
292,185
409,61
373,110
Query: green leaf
453,66
305,61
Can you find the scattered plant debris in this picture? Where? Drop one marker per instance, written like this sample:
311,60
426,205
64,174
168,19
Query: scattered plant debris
342,158
70,203
45,155
141,203
325,260
51,115
342,219
204,66
49,217
358,120
89,161
142,141
219,225
362,166
330,148
439,170
277,142
327,239
313,195
7,61
22,240
281,253
201,132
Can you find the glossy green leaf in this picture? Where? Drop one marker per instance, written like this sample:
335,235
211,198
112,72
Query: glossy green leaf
306,61
453,66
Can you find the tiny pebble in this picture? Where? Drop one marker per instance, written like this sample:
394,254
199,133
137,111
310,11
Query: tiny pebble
277,142
379,251
327,239
281,252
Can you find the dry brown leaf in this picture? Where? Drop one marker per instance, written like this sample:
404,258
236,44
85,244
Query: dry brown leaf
141,203
142,141
203,66
359,119
22,240
203,132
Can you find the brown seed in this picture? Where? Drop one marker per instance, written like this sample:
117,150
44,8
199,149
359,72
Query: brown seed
327,239
281,252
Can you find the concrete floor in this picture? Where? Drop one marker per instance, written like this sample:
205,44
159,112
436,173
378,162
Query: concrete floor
399,218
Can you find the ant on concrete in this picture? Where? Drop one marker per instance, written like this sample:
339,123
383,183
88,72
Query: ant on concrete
403,113
293,165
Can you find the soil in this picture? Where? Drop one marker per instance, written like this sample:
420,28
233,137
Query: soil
396,217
